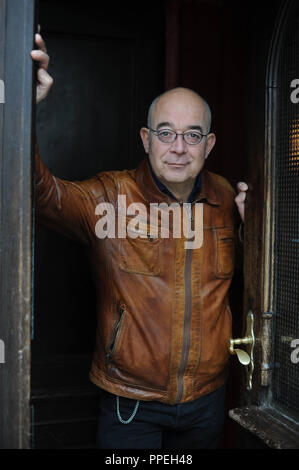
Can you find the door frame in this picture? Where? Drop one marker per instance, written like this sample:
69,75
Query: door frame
17,117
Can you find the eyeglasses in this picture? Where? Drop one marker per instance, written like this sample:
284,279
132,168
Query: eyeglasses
167,136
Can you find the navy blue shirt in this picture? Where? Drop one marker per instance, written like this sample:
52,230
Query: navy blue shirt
195,190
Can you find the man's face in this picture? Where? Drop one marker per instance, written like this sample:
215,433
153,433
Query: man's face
178,162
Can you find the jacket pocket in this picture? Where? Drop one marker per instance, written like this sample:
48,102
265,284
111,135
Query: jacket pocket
115,337
225,252
140,253
135,356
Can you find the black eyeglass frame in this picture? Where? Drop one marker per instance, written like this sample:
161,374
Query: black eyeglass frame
176,134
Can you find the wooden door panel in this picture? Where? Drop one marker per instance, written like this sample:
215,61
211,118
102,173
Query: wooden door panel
17,24
270,409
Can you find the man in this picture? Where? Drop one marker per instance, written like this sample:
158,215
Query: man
164,321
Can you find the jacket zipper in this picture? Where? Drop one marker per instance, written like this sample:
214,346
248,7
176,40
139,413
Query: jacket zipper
187,316
110,352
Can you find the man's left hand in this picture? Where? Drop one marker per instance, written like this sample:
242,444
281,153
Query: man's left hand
240,198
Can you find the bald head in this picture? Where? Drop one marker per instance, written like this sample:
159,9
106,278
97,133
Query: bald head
180,97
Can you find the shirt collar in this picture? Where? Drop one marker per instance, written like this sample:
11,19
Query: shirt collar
162,187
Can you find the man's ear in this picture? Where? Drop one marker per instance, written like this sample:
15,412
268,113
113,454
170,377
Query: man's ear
144,134
211,140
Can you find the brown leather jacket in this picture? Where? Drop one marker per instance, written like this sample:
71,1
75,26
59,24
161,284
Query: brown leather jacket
164,320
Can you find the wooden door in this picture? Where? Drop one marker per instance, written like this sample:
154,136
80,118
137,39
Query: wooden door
17,25
270,411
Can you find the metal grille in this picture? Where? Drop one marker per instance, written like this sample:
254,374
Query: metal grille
285,384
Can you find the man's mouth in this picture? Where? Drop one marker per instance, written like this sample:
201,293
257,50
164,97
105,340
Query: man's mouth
177,165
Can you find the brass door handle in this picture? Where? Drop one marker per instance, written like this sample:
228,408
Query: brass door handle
245,357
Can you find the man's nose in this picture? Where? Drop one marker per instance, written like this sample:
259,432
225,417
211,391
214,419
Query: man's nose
179,145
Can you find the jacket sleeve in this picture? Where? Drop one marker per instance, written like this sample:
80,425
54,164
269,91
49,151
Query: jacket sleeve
64,206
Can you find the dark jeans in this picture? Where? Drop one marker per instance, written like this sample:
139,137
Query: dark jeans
192,425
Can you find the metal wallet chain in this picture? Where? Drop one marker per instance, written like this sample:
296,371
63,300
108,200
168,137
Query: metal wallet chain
132,415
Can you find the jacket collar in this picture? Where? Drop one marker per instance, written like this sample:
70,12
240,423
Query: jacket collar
152,193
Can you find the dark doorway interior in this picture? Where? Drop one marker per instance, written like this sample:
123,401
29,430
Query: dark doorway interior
108,65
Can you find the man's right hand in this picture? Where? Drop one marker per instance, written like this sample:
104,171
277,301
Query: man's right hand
44,80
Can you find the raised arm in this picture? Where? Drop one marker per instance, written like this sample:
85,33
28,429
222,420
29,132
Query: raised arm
64,206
